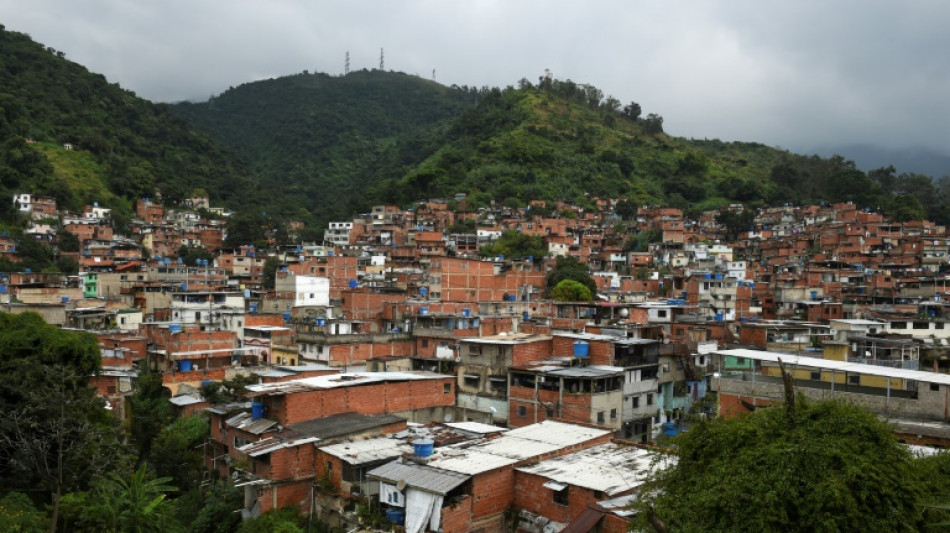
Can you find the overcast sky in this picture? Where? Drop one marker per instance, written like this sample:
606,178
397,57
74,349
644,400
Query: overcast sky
796,74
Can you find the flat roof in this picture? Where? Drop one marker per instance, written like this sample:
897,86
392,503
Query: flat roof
332,381
365,451
839,366
610,468
511,338
514,446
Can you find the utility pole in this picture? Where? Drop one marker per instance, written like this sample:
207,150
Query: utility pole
382,63
346,64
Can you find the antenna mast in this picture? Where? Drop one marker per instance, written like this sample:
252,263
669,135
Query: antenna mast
381,57
346,65
433,74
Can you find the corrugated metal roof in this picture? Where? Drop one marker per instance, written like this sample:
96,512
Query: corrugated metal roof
610,468
272,444
245,422
186,399
514,446
470,461
585,522
587,371
419,476
839,366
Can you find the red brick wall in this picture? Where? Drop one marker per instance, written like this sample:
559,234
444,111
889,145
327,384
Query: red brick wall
753,336
531,351
457,518
493,491
530,494
297,493
369,399
292,463
344,354
731,406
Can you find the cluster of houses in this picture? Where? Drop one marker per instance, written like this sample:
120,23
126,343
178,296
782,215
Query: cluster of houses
394,365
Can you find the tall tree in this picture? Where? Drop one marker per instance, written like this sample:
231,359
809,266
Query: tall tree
822,466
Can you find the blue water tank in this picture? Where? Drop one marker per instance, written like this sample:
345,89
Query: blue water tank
526,316
253,308
670,429
257,410
707,276
286,317
395,515
423,311
174,328
65,299
814,295
207,382
719,317
718,277
743,319
184,365
423,447
581,349
466,312
321,322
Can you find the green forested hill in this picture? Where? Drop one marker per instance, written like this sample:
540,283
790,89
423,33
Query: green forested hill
561,140
314,138
312,147
124,146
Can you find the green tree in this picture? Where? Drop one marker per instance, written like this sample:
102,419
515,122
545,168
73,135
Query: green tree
177,452
818,466
569,290
135,504
19,515
151,411
269,276
217,515
653,124
569,268
516,245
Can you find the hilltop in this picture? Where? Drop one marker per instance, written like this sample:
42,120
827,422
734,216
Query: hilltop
315,139
121,146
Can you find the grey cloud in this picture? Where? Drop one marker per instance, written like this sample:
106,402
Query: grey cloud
795,74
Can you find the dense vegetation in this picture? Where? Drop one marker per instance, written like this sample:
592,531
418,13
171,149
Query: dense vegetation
820,466
66,463
318,140
125,146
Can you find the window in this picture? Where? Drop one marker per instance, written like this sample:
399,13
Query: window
650,399
446,388
472,381
921,325
522,411
613,414
600,417
636,402
935,387
425,343
549,413
854,380
560,496
816,376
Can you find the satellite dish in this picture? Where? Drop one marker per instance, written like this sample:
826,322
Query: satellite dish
448,417
401,484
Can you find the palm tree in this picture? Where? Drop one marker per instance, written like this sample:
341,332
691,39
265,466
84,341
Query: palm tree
135,505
